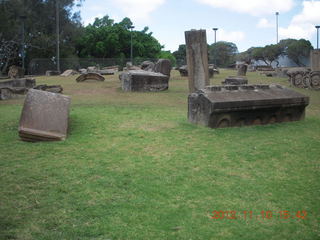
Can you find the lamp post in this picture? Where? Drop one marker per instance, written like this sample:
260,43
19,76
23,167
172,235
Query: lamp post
277,26
317,27
131,47
23,18
58,37
215,34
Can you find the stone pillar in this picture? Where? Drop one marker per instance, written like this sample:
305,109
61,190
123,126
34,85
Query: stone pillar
242,70
197,59
315,60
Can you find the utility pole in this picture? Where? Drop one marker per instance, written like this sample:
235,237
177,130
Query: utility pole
277,26
317,27
131,46
58,37
215,34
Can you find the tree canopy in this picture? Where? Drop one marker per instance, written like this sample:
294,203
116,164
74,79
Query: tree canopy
222,53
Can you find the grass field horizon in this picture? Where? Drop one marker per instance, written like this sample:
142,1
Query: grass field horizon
133,167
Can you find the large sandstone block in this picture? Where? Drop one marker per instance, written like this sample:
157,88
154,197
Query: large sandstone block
163,66
229,106
143,81
197,59
315,60
44,116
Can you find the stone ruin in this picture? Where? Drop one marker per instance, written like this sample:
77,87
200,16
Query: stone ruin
242,70
303,77
90,76
44,116
235,81
15,87
183,70
69,72
15,72
154,77
197,59
235,106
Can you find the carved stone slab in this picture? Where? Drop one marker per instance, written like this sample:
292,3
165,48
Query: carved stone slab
44,116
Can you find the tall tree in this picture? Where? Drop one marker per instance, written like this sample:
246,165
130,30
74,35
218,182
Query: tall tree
222,53
39,20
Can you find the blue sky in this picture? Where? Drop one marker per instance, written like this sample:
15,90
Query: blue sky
246,23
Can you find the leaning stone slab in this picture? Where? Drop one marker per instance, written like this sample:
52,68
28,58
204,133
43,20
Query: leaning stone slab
231,106
143,81
235,81
44,116
90,76
163,66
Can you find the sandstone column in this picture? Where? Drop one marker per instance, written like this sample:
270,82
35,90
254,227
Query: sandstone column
197,59
315,60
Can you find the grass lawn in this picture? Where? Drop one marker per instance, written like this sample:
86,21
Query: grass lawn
132,167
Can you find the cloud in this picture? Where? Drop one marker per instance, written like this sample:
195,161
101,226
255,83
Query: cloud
264,23
303,24
223,35
138,9
252,7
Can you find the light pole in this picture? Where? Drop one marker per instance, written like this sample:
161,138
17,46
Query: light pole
23,18
215,34
317,27
277,26
58,37
131,47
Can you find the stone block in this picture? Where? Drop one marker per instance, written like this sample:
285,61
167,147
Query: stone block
44,116
231,106
143,81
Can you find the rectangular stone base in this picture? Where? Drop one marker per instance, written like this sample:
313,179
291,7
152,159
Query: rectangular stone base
143,81
231,106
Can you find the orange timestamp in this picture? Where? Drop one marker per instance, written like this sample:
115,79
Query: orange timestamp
284,214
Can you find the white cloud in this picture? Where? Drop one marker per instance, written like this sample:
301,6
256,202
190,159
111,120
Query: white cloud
252,7
223,35
264,23
138,9
91,19
303,24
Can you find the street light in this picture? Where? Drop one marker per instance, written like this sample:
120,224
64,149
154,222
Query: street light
277,26
215,34
131,48
317,27
23,18
58,37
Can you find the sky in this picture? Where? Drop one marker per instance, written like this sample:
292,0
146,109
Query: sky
247,23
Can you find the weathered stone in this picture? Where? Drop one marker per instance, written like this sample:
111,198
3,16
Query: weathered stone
50,88
197,59
90,76
44,116
111,70
92,69
83,71
129,66
15,72
315,60
52,73
183,71
229,106
242,70
143,81
9,93
163,66
69,72
147,66
235,81
22,82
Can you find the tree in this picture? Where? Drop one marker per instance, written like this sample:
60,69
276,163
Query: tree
297,50
107,39
39,19
222,53
168,55
180,55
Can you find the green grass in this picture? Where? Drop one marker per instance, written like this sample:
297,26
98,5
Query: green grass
132,167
